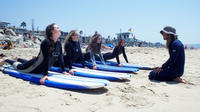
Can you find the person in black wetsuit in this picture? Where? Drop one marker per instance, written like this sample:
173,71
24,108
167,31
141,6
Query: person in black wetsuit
73,50
119,49
50,52
173,68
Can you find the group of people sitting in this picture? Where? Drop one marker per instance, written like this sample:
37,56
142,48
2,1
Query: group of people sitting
51,54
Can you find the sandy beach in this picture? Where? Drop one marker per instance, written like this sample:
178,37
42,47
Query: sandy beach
139,94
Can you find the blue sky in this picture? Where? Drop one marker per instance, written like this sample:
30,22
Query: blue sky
145,17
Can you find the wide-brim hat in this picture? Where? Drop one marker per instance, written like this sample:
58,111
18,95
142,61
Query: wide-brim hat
169,30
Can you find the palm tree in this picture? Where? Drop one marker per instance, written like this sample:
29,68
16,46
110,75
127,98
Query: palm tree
23,25
81,32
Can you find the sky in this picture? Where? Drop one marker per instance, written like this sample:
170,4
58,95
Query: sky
145,17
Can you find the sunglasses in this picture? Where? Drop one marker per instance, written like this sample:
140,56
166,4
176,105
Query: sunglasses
75,35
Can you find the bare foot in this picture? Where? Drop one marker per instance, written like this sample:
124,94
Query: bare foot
42,80
179,80
120,65
65,73
2,63
94,67
2,55
71,72
16,58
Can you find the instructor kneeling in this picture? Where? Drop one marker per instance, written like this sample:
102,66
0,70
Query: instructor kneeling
173,68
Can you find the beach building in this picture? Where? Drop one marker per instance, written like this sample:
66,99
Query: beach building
129,37
21,31
84,39
126,35
62,36
4,24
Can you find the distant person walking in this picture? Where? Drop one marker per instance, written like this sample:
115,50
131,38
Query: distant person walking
173,68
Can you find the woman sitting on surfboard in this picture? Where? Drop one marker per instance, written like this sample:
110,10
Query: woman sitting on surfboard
50,51
94,48
173,68
119,49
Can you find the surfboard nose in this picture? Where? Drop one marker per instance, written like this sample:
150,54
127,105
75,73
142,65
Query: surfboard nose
1,68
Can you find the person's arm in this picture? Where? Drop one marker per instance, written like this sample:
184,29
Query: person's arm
124,54
166,64
45,46
116,54
69,55
101,57
117,58
93,58
175,52
103,47
61,60
81,57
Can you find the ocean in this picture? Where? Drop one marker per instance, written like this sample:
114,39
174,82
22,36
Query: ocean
194,45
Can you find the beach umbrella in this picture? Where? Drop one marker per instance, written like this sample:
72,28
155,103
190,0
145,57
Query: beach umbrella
157,43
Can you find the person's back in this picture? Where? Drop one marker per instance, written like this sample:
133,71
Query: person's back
75,50
47,57
179,58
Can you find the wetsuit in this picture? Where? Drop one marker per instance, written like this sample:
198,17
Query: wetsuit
43,61
73,54
174,66
91,55
115,54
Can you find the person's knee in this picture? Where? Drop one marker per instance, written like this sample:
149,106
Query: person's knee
152,75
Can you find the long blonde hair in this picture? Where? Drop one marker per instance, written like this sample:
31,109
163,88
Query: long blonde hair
68,38
93,45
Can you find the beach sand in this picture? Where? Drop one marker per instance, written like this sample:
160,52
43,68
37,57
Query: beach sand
139,94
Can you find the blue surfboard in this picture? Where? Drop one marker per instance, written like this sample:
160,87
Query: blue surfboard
108,68
95,73
128,65
59,80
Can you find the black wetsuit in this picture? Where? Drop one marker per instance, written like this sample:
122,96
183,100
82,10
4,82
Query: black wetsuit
73,54
115,54
43,61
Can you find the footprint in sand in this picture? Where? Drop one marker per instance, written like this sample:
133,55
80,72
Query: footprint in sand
127,89
108,101
21,108
94,107
146,90
135,101
66,102
34,94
